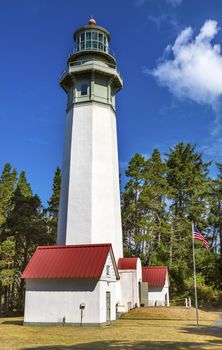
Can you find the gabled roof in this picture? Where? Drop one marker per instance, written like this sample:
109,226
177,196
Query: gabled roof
127,263
69,261
154,275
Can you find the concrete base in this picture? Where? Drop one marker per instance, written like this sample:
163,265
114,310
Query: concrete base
57,324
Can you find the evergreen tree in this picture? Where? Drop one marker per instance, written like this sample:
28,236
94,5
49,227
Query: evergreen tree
143,209
188,182
53,202
53,206
215,221
153,199
160,201
27,225
7,274
7,187
24,186
131,207
215,215
189,188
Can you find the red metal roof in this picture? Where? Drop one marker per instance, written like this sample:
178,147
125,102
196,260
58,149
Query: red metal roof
127,263
70,261
154,275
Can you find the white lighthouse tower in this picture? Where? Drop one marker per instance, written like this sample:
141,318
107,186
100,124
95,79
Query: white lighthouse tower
90,197
84,279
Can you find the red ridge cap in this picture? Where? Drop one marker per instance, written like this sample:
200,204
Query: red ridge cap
74,246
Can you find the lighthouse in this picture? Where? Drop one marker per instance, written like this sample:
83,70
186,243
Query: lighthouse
84,279
90,196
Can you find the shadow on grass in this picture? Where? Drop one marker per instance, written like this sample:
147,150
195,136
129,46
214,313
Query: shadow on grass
158,319
14,322
123,345
204,330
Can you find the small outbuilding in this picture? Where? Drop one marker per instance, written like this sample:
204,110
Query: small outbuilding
158,285
130,271
72,284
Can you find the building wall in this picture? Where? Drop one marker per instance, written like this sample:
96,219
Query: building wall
156,295
48,301
129,288
127,297
111,276
112,288
90,195
108,283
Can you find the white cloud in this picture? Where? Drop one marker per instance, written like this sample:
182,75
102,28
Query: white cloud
139,3
213,149
157,20
194,70
174,3
168,18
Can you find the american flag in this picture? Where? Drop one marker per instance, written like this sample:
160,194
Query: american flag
197,235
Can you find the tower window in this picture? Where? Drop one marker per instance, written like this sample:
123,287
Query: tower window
88,35
92,40
84,89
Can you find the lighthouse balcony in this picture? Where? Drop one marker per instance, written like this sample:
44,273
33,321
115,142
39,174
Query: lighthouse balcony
89,65
99,48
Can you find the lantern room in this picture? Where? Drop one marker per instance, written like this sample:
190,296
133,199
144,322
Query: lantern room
92,37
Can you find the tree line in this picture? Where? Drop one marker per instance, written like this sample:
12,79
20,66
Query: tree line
163,195
24,224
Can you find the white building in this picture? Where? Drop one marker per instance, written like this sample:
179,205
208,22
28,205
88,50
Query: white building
57,286
130,271
158,285
77,281
74,285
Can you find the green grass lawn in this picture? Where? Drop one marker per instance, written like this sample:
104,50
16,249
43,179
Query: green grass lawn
140,329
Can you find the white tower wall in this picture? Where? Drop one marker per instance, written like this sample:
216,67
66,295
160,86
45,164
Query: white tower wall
90,195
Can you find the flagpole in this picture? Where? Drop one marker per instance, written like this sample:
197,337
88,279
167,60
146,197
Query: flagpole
195,278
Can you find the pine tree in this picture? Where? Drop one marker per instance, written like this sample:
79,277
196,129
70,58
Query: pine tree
27,225
23,185
189,188
188,182
153,200
7,187
53,202
143,209
7,273
131,207
53,206
216,210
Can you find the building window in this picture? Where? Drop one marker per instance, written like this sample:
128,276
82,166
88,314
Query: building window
108,270
84,89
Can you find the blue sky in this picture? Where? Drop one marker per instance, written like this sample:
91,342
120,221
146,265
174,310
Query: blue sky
168,52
